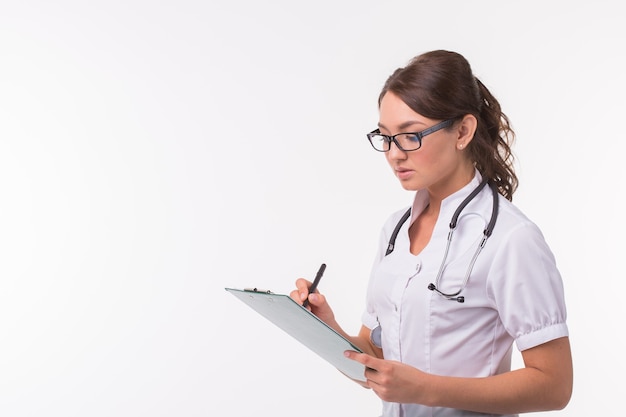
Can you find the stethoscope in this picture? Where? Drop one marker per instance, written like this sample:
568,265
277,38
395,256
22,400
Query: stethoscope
375,334
486,234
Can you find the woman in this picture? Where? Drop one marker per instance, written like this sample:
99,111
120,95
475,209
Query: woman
442,315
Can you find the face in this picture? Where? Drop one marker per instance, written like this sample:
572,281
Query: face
440,165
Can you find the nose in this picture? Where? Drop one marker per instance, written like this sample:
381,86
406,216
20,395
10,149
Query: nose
395,152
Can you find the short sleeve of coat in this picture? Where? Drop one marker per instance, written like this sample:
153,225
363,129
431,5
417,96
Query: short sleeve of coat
526,287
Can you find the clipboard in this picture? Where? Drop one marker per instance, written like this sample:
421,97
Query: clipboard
305,327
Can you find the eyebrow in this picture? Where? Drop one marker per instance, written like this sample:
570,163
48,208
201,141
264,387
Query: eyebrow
402,126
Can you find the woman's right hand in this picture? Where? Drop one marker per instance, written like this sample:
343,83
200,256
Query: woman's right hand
317,302
319,306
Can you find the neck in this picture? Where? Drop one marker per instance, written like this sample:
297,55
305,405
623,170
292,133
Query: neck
437,193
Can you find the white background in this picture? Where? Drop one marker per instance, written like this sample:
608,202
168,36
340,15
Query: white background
154,152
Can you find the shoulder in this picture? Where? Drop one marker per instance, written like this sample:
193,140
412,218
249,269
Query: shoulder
390,229
393,224
518,237
398,217
512,220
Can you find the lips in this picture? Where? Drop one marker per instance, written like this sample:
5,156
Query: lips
403,173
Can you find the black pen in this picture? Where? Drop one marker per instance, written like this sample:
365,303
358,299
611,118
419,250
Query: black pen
316,281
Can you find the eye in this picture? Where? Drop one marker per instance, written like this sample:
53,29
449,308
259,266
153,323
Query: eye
408,138
379,142
381,139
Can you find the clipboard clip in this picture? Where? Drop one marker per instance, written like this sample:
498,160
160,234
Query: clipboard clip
255,289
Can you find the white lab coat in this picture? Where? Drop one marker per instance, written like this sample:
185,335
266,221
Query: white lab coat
514,294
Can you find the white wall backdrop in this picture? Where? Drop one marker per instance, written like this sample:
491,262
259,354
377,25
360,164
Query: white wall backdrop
154,152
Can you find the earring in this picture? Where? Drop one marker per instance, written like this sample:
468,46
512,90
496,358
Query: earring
461,146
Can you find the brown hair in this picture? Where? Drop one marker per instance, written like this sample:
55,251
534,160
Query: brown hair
441,85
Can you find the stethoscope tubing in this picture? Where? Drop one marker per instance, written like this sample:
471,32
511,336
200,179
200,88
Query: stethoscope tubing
486,234
376,333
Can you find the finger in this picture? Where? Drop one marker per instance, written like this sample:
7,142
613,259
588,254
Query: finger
302,286
370,362
295,294
316,299
370,373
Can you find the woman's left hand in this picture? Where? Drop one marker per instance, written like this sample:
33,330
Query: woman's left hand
393,381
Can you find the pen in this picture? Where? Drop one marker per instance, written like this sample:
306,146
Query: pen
316,281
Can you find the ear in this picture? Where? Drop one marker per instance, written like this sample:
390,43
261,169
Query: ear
466,130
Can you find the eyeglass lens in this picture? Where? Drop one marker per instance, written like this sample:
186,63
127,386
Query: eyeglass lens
405,141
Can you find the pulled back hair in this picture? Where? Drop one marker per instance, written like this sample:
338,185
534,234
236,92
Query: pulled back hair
440,85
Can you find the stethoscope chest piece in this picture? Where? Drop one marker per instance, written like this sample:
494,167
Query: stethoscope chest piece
376,336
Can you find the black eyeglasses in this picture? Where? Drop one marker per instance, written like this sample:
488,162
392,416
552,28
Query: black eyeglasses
406,142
